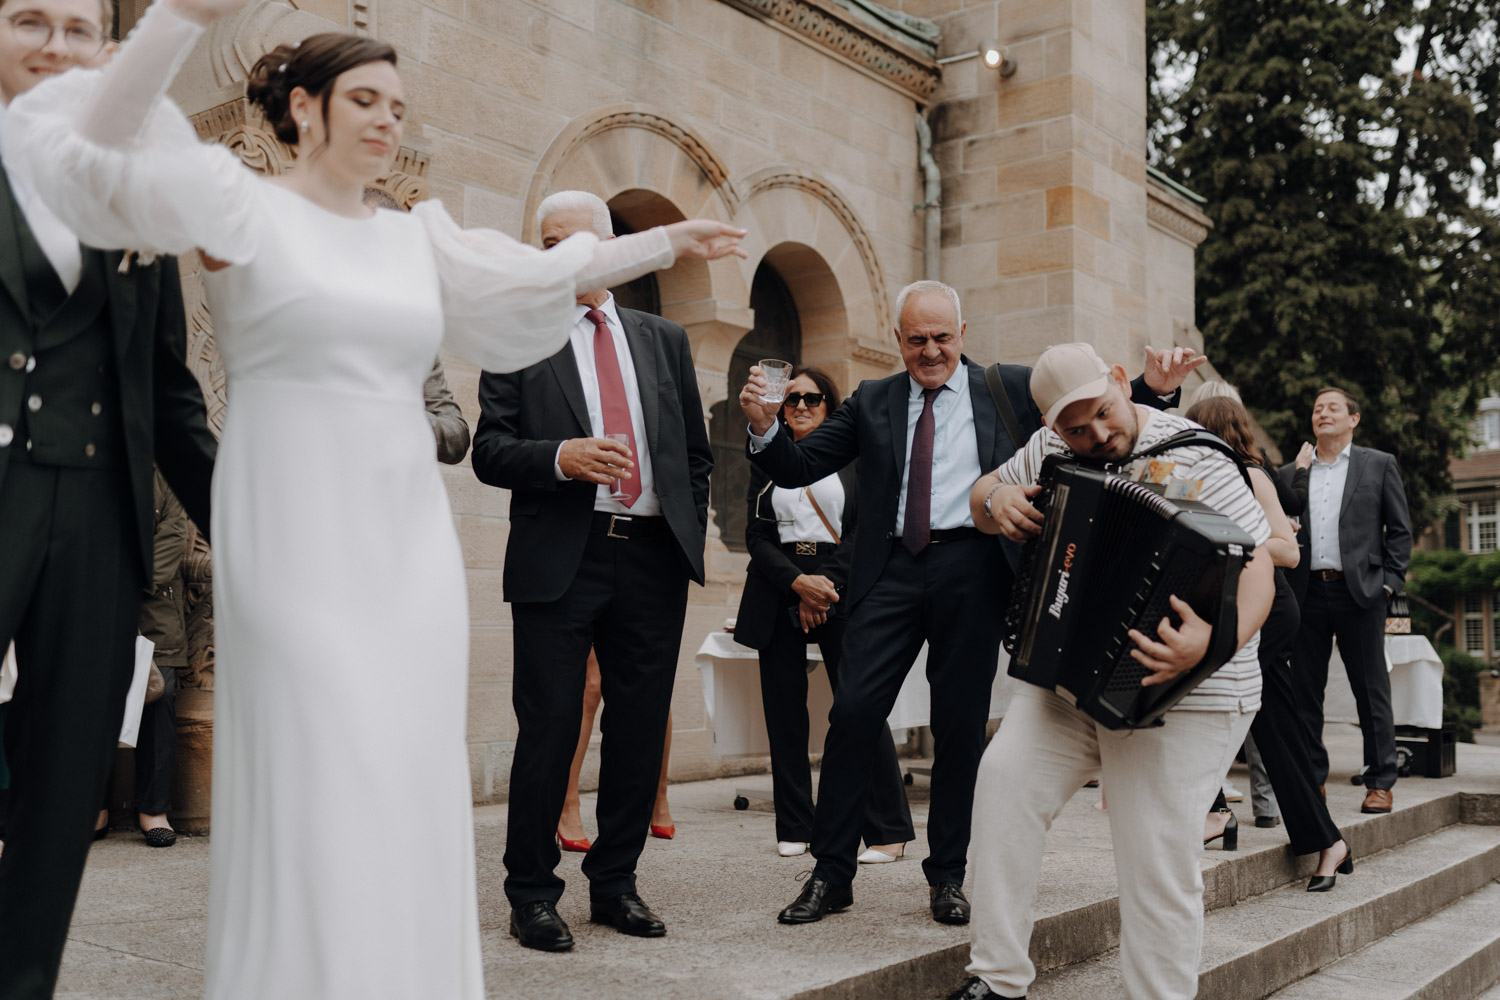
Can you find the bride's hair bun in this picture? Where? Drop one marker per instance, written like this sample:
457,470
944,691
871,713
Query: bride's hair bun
312,64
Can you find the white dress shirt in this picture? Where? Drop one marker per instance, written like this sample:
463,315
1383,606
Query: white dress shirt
1325,495
955,451
582,341
52,235
797,521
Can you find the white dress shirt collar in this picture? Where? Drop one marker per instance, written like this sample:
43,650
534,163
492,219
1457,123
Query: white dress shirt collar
957,381
1342,456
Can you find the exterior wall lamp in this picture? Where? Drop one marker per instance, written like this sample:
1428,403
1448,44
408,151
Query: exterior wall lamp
990,53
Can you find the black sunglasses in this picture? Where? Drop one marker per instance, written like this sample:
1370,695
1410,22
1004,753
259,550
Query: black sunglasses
794,399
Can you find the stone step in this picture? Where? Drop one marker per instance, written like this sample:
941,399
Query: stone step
1450,955
1269,941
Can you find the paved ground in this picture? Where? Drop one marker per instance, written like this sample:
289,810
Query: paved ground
138,930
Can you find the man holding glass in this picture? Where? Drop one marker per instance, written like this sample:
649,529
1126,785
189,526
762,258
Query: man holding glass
604,449
921,573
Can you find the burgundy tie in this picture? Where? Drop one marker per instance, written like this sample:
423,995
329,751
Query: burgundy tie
916,530
612,400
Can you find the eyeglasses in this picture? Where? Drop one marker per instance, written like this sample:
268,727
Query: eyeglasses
84,41
794,399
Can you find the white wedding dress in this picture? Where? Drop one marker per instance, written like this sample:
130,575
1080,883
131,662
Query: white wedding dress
342,847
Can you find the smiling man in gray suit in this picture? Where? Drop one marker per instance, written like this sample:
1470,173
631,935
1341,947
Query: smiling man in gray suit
1356,538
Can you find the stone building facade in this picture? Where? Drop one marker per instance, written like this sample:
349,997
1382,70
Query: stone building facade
797,119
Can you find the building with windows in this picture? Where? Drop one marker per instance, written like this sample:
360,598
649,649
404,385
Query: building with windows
1473,526
862,147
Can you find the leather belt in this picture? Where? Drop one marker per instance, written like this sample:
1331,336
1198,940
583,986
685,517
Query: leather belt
955,534
627,526
1328,575
808,548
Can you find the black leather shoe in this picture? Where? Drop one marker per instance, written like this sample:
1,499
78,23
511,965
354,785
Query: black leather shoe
817,898
975,989
627,914
537,925
1267,822
949,904
1323,883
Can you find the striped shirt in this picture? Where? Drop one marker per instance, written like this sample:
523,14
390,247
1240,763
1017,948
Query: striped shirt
1234,687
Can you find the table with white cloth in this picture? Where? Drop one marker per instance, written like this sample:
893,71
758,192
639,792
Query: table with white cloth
1416,684
730,677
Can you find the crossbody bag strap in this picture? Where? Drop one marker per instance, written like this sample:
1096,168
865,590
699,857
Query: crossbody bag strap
1003,407
1198,437
807,491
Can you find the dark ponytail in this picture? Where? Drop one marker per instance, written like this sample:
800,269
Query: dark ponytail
313,64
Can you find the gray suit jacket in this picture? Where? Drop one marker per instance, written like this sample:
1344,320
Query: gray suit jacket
448,423
1374,526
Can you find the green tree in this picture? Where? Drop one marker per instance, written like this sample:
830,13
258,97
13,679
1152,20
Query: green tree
1347,149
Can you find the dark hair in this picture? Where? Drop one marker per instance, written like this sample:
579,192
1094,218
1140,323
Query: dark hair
825,385
1349,400
1228,418
312,64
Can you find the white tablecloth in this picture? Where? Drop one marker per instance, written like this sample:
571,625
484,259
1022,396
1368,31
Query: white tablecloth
730,677
1416,684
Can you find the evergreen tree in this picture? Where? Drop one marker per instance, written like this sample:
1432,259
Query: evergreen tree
1347,149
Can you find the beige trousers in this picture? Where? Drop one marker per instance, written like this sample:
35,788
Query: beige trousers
1161,783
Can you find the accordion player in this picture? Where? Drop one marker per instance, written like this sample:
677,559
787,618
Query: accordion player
1111,552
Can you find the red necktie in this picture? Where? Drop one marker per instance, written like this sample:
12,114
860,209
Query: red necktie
612,400
916,528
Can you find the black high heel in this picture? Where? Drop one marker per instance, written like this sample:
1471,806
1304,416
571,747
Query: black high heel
1322,883
1230,834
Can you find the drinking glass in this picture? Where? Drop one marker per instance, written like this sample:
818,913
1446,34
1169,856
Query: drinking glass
617,491
777,374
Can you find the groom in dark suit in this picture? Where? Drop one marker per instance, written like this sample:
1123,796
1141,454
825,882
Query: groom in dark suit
1356,542
93,388
605,535
922,572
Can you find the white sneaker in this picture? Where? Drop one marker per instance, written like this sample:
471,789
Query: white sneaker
790,848
874,857
1232,794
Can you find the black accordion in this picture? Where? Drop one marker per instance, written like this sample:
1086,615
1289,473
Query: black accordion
1110,554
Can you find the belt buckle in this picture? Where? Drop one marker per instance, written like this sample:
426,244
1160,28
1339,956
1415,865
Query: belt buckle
623,521
807,548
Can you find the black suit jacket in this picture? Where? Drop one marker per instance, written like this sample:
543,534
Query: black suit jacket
1374,526
166,421
768,578
525,415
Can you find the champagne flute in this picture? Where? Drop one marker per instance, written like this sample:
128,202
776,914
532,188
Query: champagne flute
617,491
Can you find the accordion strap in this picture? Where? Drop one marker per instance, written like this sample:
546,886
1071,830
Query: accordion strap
1197,437
1003,406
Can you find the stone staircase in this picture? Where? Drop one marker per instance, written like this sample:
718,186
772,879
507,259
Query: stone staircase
1419,918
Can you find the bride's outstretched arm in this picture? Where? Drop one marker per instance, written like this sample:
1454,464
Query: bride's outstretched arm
120,164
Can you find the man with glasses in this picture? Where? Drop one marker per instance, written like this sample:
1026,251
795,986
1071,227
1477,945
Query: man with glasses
93,388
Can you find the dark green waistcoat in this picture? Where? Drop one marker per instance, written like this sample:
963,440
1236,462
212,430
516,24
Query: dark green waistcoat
69,413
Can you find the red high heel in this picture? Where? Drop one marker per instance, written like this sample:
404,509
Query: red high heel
664,832
576,846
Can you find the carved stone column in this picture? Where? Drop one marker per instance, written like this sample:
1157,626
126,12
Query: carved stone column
240,127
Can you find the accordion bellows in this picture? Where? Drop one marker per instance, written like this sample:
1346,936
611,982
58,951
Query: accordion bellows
1111,553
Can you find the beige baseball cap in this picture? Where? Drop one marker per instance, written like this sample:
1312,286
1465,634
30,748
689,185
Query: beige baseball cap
1066,373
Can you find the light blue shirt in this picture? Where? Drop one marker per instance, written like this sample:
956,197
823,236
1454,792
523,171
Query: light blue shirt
955,451
1325,495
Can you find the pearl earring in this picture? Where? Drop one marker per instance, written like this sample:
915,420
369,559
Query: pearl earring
304,126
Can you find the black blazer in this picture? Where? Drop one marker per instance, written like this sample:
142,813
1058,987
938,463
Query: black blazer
768,579
166,421
1374,526
525,415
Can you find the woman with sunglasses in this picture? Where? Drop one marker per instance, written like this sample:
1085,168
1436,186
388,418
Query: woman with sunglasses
800,552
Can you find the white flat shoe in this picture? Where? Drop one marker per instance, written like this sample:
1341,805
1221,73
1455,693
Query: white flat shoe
874,857
790,848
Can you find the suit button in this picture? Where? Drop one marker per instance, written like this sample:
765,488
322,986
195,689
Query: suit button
7,435
89,450
96,409
30,365
34,403
17,361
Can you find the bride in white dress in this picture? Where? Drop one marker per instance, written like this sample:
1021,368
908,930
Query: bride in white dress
342,623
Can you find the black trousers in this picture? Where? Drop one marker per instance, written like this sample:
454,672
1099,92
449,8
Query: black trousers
783,693
1327,610
953,597
70,579
1280,735
627,602
156,749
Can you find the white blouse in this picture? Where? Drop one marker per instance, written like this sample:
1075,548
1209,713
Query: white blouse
124,169
797,521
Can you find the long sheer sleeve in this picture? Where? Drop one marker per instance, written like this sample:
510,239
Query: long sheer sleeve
507,305
120,164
